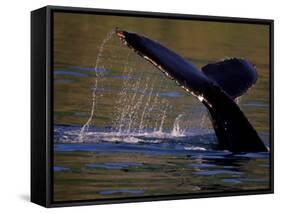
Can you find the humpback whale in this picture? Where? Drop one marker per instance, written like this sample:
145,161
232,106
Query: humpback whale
216,85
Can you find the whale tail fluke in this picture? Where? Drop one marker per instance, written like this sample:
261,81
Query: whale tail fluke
215,86
233,130
235,76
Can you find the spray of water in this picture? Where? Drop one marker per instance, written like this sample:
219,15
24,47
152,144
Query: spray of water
164,115
144,112
139,105
177,130
100,51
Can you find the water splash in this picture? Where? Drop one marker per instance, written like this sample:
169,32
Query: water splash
177,130
97,64
144,112
138,104
136,107
141,105
164,115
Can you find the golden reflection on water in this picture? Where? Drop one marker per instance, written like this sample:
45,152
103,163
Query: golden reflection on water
77,38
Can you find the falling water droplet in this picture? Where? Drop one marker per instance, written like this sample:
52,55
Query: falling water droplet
86,125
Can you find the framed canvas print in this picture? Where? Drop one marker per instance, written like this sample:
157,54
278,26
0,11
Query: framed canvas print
137,106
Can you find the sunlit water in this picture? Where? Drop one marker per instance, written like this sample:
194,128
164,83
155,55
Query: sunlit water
122,129
109,164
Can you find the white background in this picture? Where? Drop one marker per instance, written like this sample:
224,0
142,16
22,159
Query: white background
15,106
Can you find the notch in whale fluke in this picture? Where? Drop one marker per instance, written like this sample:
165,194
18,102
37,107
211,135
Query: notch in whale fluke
215,86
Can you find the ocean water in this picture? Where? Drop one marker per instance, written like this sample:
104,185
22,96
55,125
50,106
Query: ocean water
114,165
122,129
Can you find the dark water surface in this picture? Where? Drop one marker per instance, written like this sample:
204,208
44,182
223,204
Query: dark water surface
147,136
110,164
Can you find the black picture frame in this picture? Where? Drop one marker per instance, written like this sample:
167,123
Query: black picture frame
42,103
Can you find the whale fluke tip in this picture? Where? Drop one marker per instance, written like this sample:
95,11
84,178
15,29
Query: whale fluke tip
119,33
